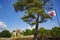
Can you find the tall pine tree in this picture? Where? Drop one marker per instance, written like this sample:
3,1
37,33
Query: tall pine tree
35,12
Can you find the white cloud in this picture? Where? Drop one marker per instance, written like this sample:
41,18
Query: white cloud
2,24
31,27
23,28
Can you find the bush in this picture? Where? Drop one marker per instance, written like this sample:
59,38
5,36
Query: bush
5,33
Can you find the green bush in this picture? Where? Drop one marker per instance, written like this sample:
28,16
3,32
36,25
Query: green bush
5,33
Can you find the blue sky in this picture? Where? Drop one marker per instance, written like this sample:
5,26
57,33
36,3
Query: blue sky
12,19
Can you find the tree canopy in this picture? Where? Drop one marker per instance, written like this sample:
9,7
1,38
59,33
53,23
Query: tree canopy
32,8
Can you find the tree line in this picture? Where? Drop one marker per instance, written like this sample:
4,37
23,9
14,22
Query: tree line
54,32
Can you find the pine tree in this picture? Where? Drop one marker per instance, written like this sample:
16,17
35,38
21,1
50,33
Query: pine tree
35,12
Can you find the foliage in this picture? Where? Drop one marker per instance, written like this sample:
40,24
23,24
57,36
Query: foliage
27,32
5,33
33,31
32,7
56,32
43,31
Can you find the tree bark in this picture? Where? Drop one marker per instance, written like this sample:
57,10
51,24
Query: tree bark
36,28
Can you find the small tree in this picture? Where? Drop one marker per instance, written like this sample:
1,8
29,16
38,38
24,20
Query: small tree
56,32
27,32
43,31
33,31
5,33
35,12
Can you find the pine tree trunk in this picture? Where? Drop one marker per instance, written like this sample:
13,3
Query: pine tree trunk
36,28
